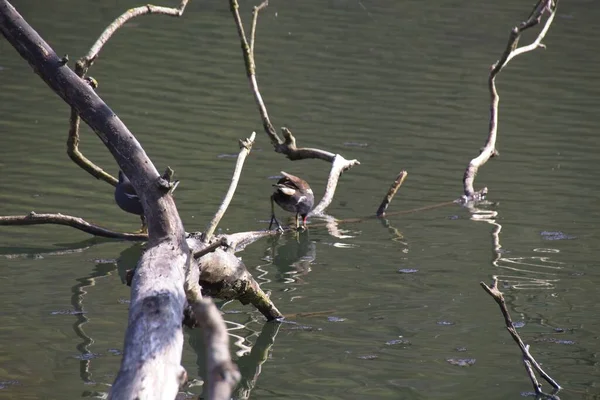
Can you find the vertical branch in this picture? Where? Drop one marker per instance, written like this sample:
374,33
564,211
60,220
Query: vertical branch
511,51
248,52
245,147
339,165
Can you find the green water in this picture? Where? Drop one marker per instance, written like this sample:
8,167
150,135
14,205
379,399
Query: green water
395,84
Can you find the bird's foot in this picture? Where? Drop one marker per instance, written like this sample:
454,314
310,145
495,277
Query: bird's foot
279,227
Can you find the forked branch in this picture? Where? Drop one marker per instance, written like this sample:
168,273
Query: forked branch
287,144
528,360
81,69
511,51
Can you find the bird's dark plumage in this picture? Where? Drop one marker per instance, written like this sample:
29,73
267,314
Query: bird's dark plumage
294,195
126,197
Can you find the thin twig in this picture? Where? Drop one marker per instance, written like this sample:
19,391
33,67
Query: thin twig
75,222
81,69
511,51
210,248
245,147
499,298
391,193
255,12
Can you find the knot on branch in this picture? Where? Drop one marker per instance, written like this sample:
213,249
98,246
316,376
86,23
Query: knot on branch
290,140
247,143
165,183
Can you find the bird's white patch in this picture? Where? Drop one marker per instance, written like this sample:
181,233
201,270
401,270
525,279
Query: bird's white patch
301,199
287,191
131,196
309,190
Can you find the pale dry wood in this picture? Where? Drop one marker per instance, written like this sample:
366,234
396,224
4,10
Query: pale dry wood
528,359
511,51
151,365
245,148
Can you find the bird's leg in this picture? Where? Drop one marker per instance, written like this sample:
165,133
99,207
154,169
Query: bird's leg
144,227
273,219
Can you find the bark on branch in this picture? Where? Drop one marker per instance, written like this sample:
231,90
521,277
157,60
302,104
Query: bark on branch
287,144
81,68
75,222
528,360
511,51
151,365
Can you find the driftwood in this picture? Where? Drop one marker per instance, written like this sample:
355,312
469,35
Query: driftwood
528,360
287,144
512,50
153,344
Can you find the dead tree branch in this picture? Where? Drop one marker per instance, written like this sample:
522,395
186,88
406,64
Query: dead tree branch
151,365
223,374
511,51
391,193
527,357
81,68
245,147
75,222
287,144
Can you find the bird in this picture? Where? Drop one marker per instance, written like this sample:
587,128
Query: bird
128,200
293,194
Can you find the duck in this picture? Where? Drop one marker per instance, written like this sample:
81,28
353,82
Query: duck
292,194
128,200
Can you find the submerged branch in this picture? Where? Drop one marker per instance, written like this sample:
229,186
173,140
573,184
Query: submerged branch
511,51
67,220
527,357
391,193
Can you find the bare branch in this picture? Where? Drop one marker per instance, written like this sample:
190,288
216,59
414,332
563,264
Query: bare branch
223,374
245,147
339,165
209,249
81,69
511,51
255,12
527,357
67,220
391,193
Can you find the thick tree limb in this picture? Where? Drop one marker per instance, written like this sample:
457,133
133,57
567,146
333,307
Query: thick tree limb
511,51
245,147
150,368
75,222
391,193
223,375
527,357
81,68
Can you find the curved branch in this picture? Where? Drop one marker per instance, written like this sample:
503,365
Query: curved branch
245,147
67,220
511,51
339,165
81,69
